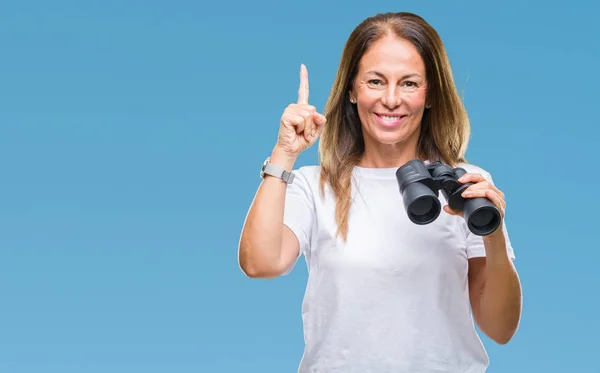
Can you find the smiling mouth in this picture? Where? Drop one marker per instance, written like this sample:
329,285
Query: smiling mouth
390,119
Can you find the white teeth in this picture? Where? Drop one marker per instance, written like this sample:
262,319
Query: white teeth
389,119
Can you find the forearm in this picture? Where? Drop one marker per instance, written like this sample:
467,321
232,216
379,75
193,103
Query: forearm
261,238
501,299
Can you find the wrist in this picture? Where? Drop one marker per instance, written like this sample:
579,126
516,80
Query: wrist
283,159
495,243
495,237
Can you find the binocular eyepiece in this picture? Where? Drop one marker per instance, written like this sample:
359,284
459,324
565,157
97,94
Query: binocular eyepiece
419,185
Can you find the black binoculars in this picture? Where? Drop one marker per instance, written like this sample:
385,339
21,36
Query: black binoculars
419,185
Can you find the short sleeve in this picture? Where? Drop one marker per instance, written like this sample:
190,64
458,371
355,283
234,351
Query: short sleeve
474,243
299,213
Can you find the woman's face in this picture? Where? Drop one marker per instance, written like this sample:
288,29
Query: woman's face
389,92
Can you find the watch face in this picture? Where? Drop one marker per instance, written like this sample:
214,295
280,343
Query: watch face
262,169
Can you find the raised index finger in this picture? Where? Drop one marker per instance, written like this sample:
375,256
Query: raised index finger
303,90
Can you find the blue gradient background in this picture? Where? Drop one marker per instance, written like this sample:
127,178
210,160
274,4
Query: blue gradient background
131,138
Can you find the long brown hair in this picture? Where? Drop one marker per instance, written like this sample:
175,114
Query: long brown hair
445,125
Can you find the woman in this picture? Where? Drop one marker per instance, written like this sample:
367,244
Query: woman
383,294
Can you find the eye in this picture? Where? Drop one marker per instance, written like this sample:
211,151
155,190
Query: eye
409,86
374,82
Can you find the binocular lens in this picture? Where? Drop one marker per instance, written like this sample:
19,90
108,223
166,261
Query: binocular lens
422,205
483,220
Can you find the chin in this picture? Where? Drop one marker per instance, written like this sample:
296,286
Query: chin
389,140
398,136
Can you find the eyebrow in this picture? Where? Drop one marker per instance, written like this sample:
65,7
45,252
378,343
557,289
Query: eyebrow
382,76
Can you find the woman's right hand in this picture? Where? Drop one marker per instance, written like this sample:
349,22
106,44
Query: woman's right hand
300,124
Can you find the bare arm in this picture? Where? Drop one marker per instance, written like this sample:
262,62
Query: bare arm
267,247
495,291
494,286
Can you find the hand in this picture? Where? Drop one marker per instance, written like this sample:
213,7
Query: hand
480,188
301,124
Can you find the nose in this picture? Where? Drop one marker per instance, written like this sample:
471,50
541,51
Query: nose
391,97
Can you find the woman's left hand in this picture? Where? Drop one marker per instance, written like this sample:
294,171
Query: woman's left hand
480,188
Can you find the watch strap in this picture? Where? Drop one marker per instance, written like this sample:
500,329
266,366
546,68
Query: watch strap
277,171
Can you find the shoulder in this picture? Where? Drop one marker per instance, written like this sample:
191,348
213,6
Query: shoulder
306,180
307,176
310,172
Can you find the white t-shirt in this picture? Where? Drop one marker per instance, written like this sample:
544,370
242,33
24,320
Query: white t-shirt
395,297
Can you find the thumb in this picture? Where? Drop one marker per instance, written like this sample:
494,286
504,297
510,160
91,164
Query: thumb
319,119
451,211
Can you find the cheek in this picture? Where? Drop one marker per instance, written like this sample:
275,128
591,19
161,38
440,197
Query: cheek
368,99
366,104
416,100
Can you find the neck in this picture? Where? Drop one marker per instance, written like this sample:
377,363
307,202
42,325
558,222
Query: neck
387,156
